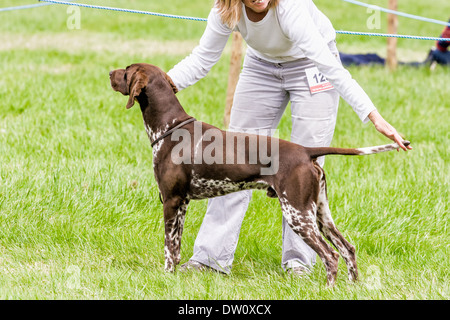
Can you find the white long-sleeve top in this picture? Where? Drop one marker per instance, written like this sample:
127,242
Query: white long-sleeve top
293,30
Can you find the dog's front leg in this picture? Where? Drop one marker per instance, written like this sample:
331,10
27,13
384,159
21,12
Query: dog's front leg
174,214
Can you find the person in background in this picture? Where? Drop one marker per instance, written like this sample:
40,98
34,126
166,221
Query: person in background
441,55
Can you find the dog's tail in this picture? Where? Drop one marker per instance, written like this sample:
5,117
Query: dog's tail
323,151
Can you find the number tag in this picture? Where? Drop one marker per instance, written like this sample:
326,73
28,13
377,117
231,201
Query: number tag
317,81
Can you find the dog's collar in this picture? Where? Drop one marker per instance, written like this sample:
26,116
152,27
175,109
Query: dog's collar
172,130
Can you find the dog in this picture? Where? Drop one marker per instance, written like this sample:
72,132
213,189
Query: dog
292,173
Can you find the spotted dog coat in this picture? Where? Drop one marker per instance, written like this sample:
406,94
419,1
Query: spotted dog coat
299,182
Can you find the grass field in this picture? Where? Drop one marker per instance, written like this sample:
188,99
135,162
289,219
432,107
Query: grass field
80,216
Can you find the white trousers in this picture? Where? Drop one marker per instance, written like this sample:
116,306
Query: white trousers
262,94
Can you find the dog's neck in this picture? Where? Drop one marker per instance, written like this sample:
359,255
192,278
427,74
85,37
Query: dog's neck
161,111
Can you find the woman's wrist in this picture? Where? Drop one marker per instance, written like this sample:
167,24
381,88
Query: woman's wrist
375,116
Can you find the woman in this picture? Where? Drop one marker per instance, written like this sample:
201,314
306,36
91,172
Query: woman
286,39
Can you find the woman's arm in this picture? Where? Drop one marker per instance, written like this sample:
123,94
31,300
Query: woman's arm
197,65
301,29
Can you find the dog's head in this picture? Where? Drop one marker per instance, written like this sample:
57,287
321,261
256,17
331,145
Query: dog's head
135,78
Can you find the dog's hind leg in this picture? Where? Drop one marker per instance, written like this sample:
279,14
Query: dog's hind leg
174,216
304,224
331,232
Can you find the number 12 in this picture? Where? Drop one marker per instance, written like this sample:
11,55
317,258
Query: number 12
320,76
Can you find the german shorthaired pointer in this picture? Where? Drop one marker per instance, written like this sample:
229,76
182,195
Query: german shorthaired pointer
296,179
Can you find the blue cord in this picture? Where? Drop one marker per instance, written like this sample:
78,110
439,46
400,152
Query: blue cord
203,19
126,10
407,15
29,6
392,35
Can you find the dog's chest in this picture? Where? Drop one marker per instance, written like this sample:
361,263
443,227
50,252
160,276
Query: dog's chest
201,188
155,134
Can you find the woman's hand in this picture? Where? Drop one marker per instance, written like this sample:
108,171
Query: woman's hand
386,129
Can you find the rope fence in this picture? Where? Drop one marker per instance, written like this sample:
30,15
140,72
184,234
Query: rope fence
370,34
29,6
204,20
125,10
402,36
398,13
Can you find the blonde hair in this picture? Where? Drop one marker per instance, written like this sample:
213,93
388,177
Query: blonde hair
231,10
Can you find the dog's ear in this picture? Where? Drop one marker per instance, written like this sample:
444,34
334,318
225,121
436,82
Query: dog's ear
139,81
169,79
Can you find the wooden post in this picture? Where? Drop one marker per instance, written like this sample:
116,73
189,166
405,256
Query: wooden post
391,59
233,76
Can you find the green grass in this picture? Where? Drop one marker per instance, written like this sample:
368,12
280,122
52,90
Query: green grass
80,216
